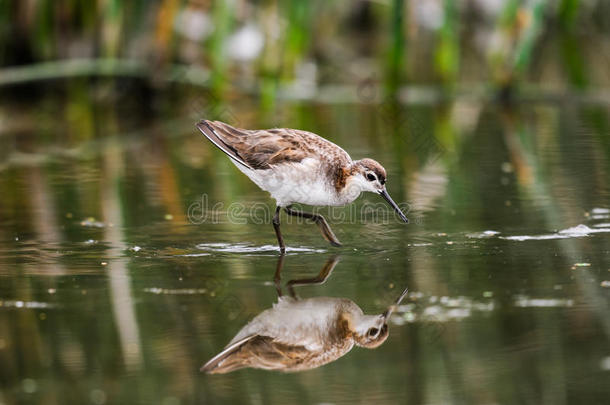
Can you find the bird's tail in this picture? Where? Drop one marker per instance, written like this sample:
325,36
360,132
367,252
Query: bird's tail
214,130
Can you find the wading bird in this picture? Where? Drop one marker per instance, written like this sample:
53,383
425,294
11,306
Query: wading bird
297,166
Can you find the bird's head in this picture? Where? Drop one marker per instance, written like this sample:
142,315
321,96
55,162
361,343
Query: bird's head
371,331
369,175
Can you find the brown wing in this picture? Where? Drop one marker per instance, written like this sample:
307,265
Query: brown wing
264,352
257,352
260,149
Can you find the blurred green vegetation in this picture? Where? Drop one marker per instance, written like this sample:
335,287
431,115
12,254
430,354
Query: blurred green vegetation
296,46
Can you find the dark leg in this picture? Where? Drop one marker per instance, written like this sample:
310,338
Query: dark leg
278,233
318,219
319,279
277,277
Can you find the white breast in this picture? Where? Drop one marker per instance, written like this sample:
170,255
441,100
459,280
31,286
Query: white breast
304,182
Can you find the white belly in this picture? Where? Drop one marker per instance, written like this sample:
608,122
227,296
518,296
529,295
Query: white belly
302,182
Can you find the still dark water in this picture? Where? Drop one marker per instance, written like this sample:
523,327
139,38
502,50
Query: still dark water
124,265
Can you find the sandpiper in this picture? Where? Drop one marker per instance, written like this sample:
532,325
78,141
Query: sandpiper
297,166
302,334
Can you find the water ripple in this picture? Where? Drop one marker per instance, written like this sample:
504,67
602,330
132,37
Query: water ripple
246,248
578,231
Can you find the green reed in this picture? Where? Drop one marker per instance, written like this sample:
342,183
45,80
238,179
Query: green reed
571,52
395,64
447,51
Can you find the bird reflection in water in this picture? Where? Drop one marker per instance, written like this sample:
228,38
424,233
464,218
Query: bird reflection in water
302,334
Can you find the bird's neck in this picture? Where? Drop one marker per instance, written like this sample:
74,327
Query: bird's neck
343,327
340,176
341,183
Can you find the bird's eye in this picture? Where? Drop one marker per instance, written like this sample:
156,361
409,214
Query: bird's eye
370,176
373,331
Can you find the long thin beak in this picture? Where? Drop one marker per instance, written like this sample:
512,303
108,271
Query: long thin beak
391,308
386,196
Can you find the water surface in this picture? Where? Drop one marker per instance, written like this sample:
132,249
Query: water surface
124,265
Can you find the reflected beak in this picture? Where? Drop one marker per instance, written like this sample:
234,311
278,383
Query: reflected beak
391,308
386,196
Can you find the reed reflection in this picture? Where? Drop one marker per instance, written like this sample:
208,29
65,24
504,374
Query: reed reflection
302,334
